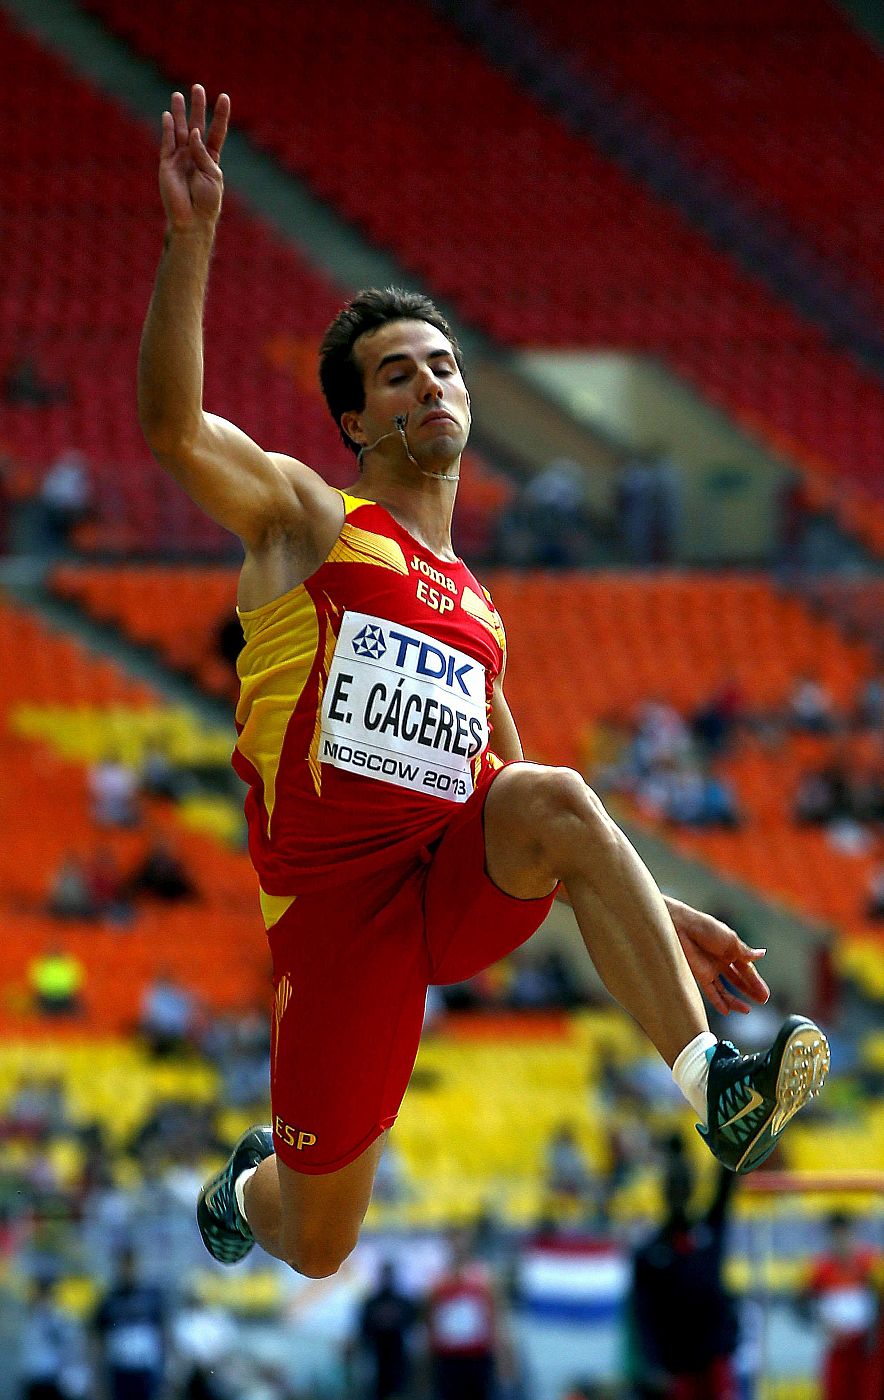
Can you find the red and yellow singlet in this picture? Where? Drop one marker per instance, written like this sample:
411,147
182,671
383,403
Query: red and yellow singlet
365,707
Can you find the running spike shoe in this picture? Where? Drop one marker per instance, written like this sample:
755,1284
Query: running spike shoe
751,1098
225,1232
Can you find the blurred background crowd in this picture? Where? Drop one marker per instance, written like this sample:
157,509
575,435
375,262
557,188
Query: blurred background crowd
656,230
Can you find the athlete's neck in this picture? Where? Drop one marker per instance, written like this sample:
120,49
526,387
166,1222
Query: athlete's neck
423,507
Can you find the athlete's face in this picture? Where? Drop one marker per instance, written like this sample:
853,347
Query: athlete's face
408,367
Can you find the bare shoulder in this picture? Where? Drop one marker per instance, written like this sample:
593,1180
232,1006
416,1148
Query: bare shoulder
319,504
297,540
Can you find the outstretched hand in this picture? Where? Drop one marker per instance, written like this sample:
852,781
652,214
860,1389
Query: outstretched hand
191,183
717,956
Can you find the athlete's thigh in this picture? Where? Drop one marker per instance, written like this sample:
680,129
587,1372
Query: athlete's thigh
470,921
350,979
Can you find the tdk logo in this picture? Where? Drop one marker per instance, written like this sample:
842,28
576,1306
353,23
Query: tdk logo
429,661
370,642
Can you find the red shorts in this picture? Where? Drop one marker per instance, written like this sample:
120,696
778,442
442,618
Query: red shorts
351,967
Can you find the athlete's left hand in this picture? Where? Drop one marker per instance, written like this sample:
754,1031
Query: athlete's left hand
715,952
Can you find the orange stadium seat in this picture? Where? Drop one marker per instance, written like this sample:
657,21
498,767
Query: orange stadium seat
214,944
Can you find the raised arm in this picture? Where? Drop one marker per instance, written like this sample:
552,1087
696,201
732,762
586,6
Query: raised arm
244,488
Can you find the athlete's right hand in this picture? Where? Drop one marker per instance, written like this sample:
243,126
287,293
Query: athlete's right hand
191,183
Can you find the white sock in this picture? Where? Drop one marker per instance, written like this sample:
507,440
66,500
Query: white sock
239,1187
691,1071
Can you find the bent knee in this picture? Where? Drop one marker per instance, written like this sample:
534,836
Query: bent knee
319,1256
562,792
565,812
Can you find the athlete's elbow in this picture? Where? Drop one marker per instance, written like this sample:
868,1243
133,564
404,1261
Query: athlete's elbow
169,436
169,428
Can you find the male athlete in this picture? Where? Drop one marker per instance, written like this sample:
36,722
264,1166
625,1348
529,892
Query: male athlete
398,835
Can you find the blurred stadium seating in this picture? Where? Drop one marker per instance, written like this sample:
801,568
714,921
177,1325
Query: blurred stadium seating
598,261
612,630
782,99
539,240
215,946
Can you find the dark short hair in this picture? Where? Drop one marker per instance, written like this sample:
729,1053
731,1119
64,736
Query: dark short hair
339,371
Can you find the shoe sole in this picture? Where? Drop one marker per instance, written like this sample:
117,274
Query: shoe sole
804,1067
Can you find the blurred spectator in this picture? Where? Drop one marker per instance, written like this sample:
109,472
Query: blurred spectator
843,1291
649,506
129,1326
846,795
466,1339
630,1144
532,986
717,719
865,779
70,896
794,512
555,500
567,991
49,1349
36,1108
661,735
159,775
24,385
203,1340
56,980
66,495
546,525
107,886
569,1179
385,1332
810,707
168,1016
114,789
683,1320
875,900
870,702
239,1047
162,874
681,792
701,799
529,980
822,795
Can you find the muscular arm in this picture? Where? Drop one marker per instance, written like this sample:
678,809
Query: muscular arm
242,487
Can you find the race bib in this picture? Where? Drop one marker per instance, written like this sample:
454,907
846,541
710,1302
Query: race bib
404,708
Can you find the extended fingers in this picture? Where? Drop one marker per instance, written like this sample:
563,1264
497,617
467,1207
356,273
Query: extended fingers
198,107
218,129
167,139
748,979
179,118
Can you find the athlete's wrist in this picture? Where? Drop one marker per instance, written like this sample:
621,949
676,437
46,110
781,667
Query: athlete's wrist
196,232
